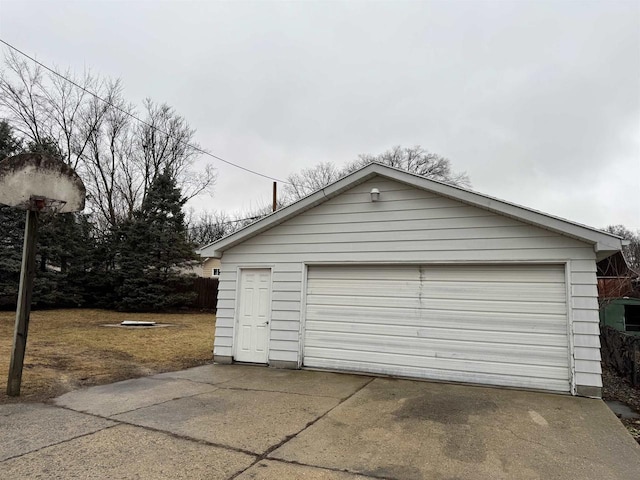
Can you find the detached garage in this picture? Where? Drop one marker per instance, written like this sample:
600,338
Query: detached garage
389,273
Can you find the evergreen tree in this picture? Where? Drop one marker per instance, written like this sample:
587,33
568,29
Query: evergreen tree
66,271
153,250
9,144
64,251
11,231
11,237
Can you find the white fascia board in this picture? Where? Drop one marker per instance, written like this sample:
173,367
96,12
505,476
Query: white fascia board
603,243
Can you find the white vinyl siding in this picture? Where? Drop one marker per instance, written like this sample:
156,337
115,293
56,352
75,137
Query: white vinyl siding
501,325
407,226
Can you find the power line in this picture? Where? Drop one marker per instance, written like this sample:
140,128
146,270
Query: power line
198,149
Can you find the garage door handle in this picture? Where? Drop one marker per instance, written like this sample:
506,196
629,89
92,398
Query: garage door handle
265,323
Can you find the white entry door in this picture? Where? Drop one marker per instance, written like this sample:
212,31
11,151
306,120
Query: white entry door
252,336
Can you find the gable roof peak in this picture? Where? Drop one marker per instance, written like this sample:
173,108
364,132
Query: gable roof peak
605,244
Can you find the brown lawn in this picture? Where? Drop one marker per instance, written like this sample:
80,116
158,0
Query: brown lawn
69,349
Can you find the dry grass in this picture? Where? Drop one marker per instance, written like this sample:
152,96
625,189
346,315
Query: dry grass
68,349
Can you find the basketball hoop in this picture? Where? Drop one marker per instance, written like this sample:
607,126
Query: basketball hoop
40,183
43,204
36,183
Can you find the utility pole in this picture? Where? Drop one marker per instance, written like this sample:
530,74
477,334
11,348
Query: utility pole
275,196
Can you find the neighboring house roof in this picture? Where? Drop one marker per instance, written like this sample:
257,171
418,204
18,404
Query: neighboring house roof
604,244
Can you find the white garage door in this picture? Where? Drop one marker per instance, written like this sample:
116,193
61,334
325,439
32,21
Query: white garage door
492,324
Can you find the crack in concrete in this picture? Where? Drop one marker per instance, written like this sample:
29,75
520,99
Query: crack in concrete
191,439
168,433
288,438
60,442
192,380
160,403
133,409
331,469
244,389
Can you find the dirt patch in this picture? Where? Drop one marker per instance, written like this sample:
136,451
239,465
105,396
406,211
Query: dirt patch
69,349
620,389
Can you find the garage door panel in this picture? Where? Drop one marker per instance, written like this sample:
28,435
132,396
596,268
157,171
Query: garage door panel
558,339
443,348
447,273
551,292
496,324
509,380
366,272
466,368
400,302
518,322
439,290
370,288
494,273
457,304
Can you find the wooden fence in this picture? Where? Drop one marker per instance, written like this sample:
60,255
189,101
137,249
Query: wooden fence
206,290
621,352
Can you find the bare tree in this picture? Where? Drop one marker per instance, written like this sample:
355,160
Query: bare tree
414,160
166,141
631,252
208,227
211,226
106,162
125,157
310,179
46,109
22,100
117,157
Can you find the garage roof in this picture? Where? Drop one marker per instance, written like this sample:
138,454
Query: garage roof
604,244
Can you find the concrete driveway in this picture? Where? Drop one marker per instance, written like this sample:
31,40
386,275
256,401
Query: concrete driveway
241,422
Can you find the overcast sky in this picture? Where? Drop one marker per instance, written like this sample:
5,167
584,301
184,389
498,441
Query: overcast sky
539,102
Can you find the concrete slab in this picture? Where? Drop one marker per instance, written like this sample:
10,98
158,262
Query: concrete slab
212,374
28,427
249,420
621,410
108,400
413,430
128,452
303,382
271,470
198,423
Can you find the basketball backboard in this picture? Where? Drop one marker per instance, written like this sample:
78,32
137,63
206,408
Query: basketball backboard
33,181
